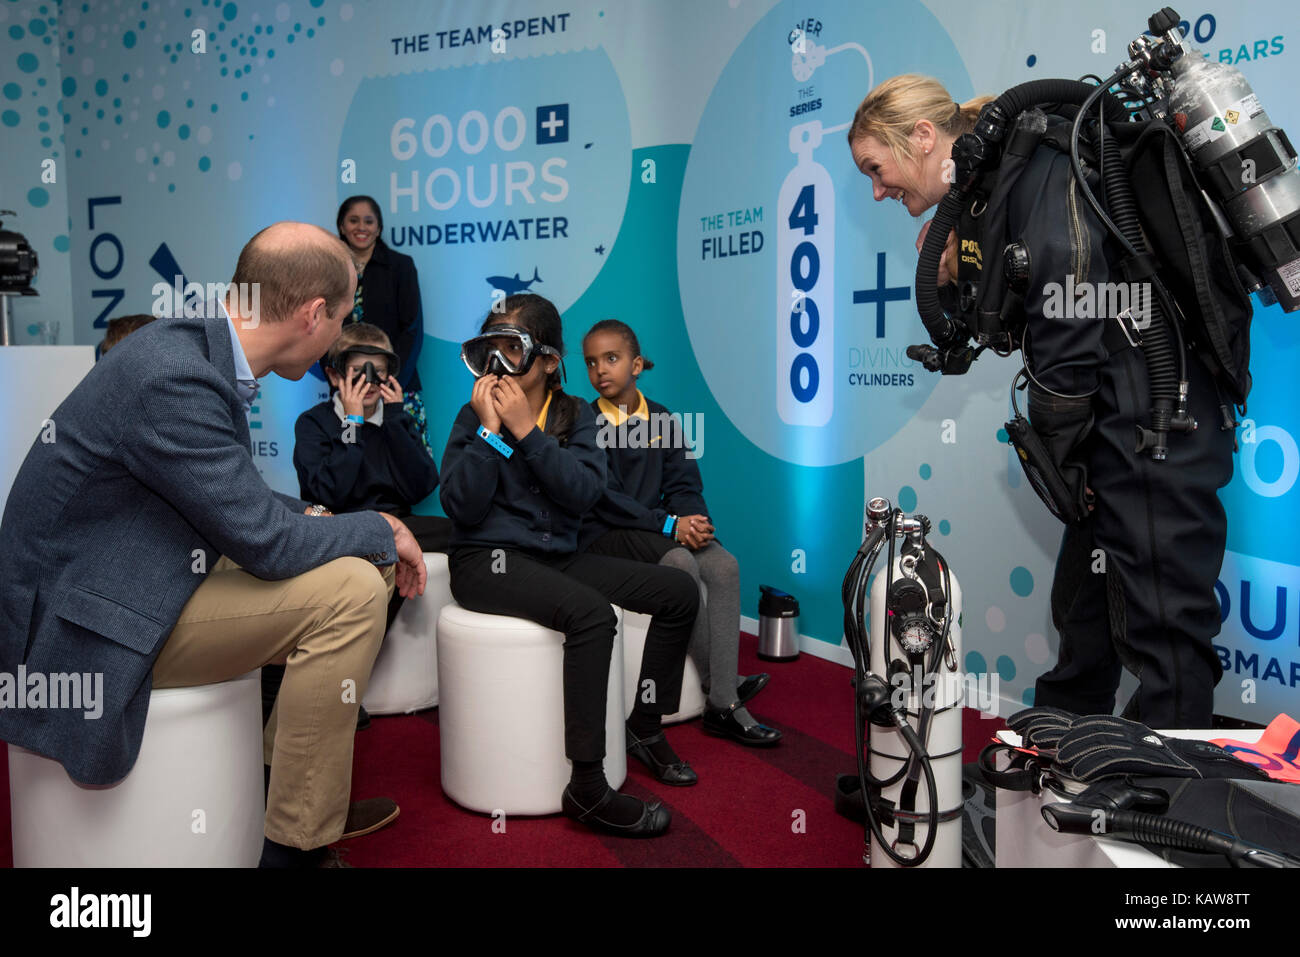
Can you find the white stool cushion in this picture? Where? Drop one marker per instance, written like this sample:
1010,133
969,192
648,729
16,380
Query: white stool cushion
405,676
193,799
691,705
501,717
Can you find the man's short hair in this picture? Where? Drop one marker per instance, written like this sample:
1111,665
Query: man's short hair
291,273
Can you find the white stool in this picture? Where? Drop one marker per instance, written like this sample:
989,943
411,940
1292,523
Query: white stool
405,676
193,799
691,704
501,719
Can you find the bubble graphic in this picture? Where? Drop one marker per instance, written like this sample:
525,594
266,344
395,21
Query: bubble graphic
28,63
907,498
995,618
1022,582
1036,649
234,170
38,197
1006,668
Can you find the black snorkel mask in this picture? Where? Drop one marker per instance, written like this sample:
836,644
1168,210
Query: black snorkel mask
340,364
504,350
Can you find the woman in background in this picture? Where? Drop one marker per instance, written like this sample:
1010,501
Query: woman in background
388,296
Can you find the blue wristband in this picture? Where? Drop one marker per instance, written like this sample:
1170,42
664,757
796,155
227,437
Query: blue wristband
668,525
494,440
358,419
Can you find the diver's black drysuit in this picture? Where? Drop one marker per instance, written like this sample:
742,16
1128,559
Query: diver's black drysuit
1134,584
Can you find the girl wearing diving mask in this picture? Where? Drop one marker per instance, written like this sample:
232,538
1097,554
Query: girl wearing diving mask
522,467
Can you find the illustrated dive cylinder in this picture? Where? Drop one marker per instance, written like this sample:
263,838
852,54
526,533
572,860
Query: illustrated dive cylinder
943,691
805,284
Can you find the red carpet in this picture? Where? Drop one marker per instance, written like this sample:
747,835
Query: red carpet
742,813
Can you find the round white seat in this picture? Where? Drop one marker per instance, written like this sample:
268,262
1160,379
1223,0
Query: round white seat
501,716
693,699
193,799
405,676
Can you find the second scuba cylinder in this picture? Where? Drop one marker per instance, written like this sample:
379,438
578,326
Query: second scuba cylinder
902,631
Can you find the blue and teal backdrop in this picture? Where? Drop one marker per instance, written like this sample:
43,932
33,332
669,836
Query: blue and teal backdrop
679,165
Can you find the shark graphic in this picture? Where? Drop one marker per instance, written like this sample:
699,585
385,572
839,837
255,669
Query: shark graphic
512,286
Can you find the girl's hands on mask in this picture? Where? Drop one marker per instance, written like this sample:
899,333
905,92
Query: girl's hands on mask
481,402
511,405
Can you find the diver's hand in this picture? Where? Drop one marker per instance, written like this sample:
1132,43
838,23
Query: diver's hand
948,261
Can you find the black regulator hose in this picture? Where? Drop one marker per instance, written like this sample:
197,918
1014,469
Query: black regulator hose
1162,373
1142,828
973,154
1166,369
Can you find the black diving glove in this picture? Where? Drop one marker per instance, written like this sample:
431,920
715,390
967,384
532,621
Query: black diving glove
1101,746
1041,728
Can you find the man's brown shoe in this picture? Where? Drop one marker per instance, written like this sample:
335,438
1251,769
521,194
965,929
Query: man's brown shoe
368,816
333,858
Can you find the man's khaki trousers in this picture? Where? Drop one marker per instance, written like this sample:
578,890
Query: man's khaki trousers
325,626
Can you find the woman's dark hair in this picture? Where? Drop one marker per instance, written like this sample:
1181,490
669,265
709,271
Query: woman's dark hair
347,208
540,319
624,330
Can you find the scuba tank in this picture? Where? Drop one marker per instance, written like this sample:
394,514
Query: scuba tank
1248,163
908,723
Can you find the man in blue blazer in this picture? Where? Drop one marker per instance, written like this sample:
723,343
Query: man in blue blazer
139,542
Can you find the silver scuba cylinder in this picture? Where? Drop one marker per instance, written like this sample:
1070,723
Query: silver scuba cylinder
909,649
1247,163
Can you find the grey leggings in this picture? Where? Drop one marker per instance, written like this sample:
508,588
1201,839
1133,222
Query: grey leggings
715,642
